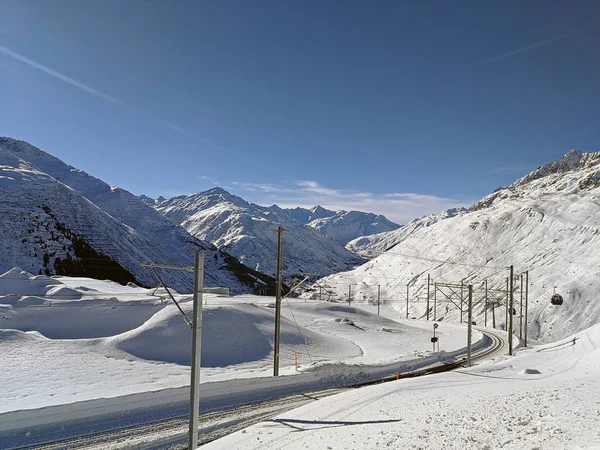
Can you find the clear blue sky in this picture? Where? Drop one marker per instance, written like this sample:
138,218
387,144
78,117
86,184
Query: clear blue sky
401,107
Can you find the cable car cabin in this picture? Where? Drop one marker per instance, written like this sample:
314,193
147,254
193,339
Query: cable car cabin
556,299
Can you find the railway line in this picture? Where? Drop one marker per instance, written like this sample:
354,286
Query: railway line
172,432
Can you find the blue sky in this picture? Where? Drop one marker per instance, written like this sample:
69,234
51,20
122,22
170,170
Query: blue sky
402,108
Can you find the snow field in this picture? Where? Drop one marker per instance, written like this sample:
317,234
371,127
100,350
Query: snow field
504,403
88,339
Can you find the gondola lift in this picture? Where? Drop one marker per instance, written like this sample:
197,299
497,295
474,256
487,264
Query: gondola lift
556,299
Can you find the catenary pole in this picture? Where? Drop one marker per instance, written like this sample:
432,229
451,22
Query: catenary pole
510,313
435,302
196,352
526,302
470,325
428,284
407,300
486,304
506,304
280,231
462,308
521,307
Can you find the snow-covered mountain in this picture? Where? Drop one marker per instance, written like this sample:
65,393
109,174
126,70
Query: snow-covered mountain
341,226
370,246
248,232
304,215
58,219
546,223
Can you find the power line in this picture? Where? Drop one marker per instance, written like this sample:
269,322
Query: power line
443,261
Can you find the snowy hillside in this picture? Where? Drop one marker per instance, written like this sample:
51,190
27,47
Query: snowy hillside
370,246
248,232
57,219
546,223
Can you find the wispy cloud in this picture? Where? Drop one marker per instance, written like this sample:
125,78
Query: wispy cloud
115,101
262,187
536,45
398,207
211,180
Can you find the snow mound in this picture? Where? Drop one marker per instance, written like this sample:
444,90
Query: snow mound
16,335
74,319
18,281
231,334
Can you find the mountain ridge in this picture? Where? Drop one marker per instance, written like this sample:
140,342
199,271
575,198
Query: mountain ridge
109,220
545,223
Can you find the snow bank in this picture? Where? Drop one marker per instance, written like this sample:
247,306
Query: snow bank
231,335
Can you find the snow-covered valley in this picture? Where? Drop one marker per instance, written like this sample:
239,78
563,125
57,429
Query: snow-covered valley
74,345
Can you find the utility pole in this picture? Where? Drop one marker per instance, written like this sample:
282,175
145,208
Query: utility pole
349,293
486,304
378,297
521,314
470,326
196,352
407,300
526,302
280,231
510,325
320,293
428,284
494,314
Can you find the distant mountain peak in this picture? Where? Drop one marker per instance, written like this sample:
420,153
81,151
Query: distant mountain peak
216,190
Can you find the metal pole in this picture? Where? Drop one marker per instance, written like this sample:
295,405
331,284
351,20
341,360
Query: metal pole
280,231
506,307
470,326
486,304
428,283
521,314
320,293
461,301
510,324
378,297
434,304
196,352
494,312
349,293
407,300
526,303
435,300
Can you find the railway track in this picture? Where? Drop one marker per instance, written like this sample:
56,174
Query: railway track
172,433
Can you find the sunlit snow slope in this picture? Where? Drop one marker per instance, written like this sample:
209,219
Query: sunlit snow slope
547,223
248,232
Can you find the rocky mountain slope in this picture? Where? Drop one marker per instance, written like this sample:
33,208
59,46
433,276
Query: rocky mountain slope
248,232
370,246
59,220
547,223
